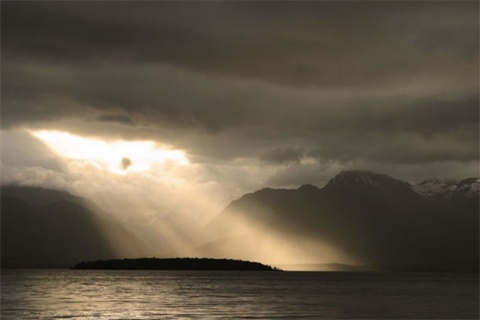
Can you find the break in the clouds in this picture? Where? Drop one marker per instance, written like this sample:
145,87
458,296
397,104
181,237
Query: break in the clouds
290,89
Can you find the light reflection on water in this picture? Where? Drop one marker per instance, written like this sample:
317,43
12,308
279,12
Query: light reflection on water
88,294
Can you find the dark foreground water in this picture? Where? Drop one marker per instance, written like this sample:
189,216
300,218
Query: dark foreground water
88,294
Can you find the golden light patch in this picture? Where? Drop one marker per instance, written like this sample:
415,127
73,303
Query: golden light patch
117,156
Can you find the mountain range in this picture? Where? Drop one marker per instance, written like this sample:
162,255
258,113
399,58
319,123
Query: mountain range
374,219
51,228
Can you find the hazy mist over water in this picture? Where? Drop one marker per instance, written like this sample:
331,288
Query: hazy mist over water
55,294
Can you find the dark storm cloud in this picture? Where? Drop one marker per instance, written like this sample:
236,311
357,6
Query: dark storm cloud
179,96
120,118
284,155
229,114
329,44
391,82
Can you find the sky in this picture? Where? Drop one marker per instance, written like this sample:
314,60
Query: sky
160,107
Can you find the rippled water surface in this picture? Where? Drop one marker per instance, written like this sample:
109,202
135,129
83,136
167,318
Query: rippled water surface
88,294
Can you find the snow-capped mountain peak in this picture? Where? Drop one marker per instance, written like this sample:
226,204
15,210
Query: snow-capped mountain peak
446,189
436,188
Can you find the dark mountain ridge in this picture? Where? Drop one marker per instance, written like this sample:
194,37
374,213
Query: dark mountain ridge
373,217
39,196
51,228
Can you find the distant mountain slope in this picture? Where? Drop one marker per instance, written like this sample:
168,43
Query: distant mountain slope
375,218
39,196
50,228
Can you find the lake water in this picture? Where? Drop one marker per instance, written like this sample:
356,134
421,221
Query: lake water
89,294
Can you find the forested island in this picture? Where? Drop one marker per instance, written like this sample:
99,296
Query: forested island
174,264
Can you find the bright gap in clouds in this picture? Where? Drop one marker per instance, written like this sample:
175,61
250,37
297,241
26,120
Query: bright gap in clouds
118,156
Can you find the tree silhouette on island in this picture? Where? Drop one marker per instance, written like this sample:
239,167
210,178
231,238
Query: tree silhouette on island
174,264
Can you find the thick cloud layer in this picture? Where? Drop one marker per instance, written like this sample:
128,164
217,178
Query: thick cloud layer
293,89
